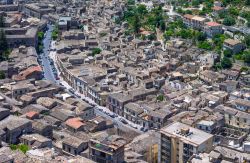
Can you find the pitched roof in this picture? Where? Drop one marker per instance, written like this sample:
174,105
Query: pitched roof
232,42
213,24
188,16
23,74
74,122
217,8
31,114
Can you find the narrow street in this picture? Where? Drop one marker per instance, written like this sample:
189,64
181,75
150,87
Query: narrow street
46,62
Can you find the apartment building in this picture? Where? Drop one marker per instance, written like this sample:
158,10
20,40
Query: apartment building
21,36
107,150
187,20
178,142
233,45
234,117
198,22
37,10
212,28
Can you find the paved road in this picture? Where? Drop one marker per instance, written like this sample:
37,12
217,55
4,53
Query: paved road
47,68
116,121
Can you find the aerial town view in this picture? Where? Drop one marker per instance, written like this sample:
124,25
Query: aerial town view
124,81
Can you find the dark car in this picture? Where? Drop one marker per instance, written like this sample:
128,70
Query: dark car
71,90
123,121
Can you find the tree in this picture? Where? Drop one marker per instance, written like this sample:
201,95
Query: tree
247,2
247,40
226,63
151,37
188,12
131,2
142,10
205,45
160,98
2,75
234,11
248,23
96,51
185,33
136,25
3,44
228,53
22,147
229,21
55,32
195,3
200,36
2,20
40,35
246,57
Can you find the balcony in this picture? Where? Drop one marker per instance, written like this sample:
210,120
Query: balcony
102,147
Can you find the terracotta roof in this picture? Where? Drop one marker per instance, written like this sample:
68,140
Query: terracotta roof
212,24
217,8
74,122
23,74
188,16
31,114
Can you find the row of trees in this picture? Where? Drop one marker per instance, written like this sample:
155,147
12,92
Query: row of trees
55,32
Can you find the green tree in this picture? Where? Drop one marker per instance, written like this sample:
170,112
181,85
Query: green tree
55,32
160,98
3,44
131,2
142,9
2,21
40,35
247,40
226,63
244,69
195,3
205,45
96,51
185,33
2,75
136,24
229,21
246,56
151,37
200,36
247,2
228,53
234,11
22,147
248,23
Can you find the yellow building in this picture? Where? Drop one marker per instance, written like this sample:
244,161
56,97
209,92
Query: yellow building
178,142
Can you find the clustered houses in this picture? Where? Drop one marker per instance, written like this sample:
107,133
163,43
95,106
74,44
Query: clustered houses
47,120
159,103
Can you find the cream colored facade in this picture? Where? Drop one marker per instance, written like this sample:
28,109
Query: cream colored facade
178,142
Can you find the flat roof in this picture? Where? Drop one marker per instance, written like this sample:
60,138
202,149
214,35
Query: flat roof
195,136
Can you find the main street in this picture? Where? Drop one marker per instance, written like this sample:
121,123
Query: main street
46,63
48,58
